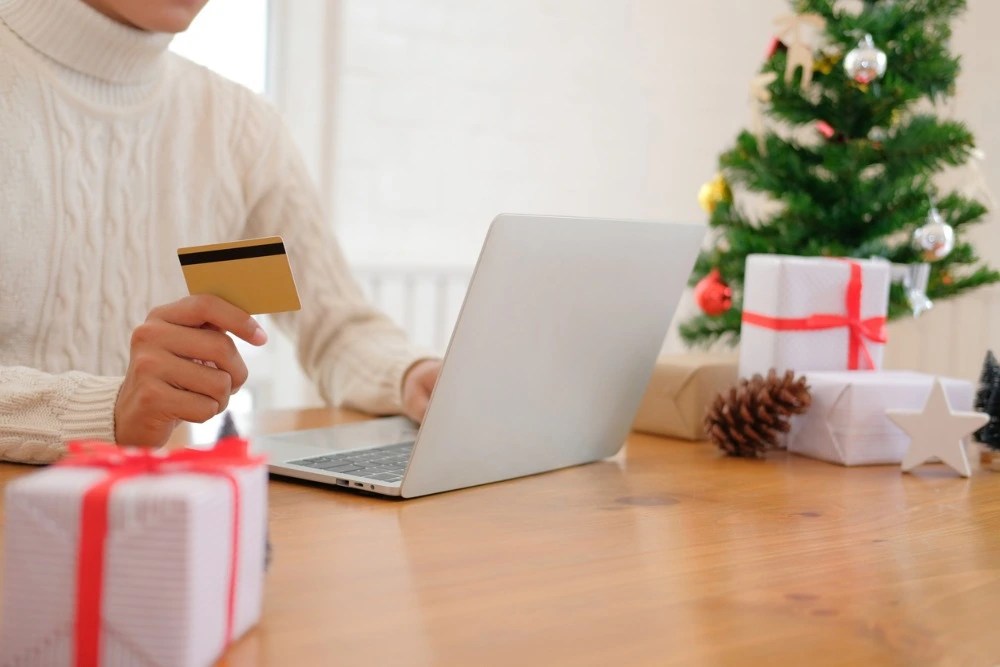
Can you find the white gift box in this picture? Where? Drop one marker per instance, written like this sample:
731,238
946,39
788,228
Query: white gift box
167,564
846,422
783,294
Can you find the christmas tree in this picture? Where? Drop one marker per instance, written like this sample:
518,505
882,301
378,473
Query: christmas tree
844,165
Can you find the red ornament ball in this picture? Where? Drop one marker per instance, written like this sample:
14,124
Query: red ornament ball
712,295
774,46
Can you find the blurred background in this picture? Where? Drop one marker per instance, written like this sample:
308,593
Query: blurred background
420,120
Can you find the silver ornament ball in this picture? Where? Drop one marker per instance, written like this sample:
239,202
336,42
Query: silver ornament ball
865,62
935,239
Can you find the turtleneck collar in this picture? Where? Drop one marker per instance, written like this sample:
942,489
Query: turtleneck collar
79,37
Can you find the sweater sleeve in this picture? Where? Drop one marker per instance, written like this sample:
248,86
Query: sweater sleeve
41,412
356,355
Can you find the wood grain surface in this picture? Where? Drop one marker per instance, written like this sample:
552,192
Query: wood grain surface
666,554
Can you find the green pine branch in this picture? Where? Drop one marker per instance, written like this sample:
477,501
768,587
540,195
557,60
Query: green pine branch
926,144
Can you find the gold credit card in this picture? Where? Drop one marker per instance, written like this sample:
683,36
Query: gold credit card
253,274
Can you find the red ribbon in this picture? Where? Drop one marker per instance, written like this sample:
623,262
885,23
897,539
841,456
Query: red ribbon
125,463
872,328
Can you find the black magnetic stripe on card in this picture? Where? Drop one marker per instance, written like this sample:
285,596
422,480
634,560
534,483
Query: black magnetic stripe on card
229,254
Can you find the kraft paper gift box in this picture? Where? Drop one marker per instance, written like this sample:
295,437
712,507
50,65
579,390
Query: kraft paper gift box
130,557
813,314
846,422
679,392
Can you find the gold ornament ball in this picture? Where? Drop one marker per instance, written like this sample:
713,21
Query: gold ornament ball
713,193
826,62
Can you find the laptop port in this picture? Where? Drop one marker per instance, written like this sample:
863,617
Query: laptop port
343,482
359,484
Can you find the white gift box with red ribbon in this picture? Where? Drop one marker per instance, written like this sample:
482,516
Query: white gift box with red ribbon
813,313
130,557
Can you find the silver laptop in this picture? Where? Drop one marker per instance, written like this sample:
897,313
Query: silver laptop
552,351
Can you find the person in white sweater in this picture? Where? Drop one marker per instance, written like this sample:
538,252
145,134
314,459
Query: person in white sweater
115,152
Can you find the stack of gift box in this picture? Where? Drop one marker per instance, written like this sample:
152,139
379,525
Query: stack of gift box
819,317
825,318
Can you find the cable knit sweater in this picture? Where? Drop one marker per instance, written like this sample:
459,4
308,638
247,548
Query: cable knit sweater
114,152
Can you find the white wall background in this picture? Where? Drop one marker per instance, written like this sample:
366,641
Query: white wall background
449,111
422,119
230,37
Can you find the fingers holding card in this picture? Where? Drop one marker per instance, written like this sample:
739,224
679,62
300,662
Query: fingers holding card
253,274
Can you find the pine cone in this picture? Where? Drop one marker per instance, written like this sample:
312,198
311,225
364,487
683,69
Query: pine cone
749,418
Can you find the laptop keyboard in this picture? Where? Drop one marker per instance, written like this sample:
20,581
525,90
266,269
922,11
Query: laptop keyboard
385,464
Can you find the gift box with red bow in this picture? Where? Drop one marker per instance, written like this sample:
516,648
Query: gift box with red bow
122,556
813,314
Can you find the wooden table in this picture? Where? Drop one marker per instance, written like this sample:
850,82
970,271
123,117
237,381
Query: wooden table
667,554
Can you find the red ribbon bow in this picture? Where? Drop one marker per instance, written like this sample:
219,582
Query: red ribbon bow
125,463
872,328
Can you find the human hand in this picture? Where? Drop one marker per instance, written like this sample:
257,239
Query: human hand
182,366
417,386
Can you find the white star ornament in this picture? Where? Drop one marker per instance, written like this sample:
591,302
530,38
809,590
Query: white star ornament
937,432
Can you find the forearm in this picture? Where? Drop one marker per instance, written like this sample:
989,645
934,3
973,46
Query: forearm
41,412
357,357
